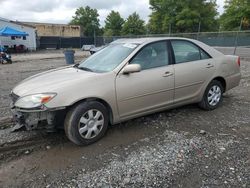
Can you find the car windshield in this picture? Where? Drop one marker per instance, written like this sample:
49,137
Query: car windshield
108,58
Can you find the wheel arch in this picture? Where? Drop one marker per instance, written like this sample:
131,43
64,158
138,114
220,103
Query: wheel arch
217,78
106,104
222,81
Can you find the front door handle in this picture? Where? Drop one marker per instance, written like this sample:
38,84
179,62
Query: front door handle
209,65
167,74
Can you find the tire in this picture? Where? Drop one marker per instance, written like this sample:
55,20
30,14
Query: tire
90,118
212,97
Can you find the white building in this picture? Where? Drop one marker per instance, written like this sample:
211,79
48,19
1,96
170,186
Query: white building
28,41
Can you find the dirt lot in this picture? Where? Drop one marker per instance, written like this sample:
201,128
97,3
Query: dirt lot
184,147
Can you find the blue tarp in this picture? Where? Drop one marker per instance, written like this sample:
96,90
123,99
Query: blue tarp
8,31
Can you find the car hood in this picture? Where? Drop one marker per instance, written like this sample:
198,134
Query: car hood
51,81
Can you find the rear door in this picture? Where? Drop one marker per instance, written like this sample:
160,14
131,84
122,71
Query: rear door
193,67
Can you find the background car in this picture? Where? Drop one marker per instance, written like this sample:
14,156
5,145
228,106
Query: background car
96,49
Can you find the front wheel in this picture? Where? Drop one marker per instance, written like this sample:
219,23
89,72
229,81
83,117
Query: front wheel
212,96
86,122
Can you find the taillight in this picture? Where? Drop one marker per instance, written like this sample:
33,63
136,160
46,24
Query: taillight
238,61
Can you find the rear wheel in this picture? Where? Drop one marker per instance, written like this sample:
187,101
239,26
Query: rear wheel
212,96
86,123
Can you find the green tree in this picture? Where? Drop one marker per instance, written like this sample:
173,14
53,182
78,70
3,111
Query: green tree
87,18
134,25
163,15
113,24
235,12
183,16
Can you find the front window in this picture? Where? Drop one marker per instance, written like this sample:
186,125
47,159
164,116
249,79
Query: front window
152,56
108,58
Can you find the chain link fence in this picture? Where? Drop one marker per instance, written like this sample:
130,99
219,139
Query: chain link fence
218,39
223,39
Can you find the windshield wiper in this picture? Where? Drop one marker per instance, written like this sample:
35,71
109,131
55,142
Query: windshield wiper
76,65
85,68
82,68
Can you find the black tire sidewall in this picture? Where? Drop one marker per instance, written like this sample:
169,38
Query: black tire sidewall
71,127
205,97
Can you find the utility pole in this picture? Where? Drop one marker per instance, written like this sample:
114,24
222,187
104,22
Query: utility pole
199,30
147,31
237,36
94,37
93,24
169,31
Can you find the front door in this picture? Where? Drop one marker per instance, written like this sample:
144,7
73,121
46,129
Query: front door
149,89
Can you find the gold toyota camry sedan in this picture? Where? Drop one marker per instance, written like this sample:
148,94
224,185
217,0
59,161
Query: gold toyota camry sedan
127,79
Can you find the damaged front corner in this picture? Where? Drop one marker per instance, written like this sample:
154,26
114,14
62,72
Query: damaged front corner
31,120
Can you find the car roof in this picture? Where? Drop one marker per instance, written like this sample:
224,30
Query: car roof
146,40
142,41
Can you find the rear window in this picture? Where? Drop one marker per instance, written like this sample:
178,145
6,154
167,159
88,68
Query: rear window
185,51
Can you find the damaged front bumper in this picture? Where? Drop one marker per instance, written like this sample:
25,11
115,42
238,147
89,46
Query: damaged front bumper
33,118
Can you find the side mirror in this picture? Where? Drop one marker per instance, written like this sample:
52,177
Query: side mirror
131,68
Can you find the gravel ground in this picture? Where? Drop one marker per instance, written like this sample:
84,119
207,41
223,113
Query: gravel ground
183,147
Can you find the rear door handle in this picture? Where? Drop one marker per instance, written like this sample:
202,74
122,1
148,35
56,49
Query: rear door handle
209,65
167,74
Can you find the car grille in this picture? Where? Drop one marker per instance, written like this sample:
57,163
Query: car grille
14,97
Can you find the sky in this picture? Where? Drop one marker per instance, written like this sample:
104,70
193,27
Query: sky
61,11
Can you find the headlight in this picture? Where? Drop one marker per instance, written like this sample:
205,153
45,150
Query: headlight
34,101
